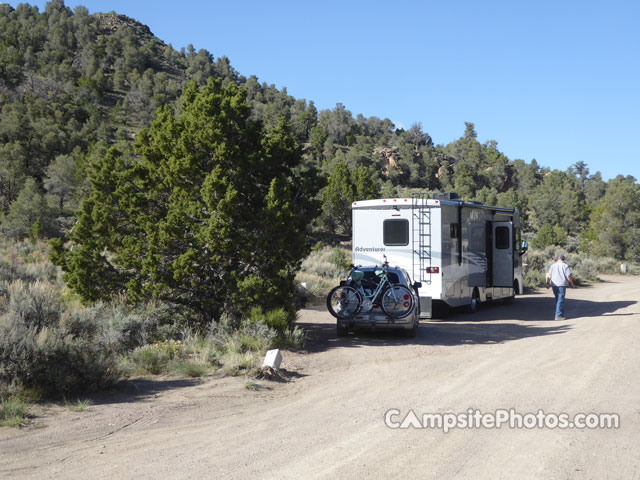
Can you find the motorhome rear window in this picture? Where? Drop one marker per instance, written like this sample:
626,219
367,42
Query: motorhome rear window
395,232
502,238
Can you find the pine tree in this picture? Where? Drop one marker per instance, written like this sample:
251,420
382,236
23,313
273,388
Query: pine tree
29,209
337,199
344,187
209,215
615,224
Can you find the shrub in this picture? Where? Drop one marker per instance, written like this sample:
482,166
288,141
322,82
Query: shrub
292,339
584,268
234,362
320,263
125,327
240,350
78,405
155,358
12,412
340,258
277,319
26,262
548,235
44,347
192,368
633,268
53,360
321,271
36,305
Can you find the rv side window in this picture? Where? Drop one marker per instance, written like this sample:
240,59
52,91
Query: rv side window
502,238
454,230
395,232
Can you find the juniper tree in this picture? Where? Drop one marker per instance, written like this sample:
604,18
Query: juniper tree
210,214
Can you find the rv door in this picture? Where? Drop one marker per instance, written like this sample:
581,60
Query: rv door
502,250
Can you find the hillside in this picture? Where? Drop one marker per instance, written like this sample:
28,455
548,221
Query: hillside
72,84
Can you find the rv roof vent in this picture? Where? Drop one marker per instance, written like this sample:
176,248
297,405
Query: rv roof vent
445,196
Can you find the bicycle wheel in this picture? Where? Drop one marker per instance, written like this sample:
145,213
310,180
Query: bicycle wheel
397,301
344,302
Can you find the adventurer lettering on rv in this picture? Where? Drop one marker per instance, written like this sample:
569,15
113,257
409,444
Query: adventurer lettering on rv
369,249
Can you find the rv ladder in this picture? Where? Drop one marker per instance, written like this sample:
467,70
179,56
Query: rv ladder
421,237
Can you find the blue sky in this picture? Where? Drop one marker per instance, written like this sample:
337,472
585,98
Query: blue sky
555,81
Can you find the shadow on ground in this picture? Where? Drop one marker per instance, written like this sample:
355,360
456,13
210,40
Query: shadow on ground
540,309
462,328
138,389
322,336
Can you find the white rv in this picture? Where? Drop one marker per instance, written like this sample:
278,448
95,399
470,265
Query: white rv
462,253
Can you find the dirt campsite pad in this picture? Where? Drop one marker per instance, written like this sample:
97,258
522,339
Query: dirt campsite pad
328,420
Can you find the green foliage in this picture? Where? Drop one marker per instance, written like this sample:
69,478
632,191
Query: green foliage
344,187
155,358
615,224
277,319
34,306
53,359
584,268
77,406
190,368
292,339
321,271
548,235
340,258
208,216
62,181
13,411
388,190
24,261
29,215
50,343
557,201
337,199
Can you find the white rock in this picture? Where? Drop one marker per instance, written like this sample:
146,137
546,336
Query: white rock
272,359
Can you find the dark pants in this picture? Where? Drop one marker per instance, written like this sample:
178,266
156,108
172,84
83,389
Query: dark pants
559,293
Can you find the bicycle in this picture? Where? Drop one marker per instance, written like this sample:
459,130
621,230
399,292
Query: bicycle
350,297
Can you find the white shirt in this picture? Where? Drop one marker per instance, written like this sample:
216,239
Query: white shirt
559,274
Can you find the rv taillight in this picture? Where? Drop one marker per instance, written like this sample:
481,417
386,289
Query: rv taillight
433,269
406,297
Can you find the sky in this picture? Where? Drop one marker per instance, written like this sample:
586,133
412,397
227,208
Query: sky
556,81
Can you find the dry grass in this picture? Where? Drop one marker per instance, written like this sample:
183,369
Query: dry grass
321,271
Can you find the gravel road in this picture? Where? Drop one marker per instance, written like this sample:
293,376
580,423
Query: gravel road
328,420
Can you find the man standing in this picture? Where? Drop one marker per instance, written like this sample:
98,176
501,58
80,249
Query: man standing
559,278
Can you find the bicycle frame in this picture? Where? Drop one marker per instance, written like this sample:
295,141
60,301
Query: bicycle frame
384,280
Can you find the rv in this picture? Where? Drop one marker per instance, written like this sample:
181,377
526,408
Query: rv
458,253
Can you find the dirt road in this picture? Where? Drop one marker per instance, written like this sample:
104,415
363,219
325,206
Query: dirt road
328,421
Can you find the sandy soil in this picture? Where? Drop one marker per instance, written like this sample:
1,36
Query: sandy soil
328,420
